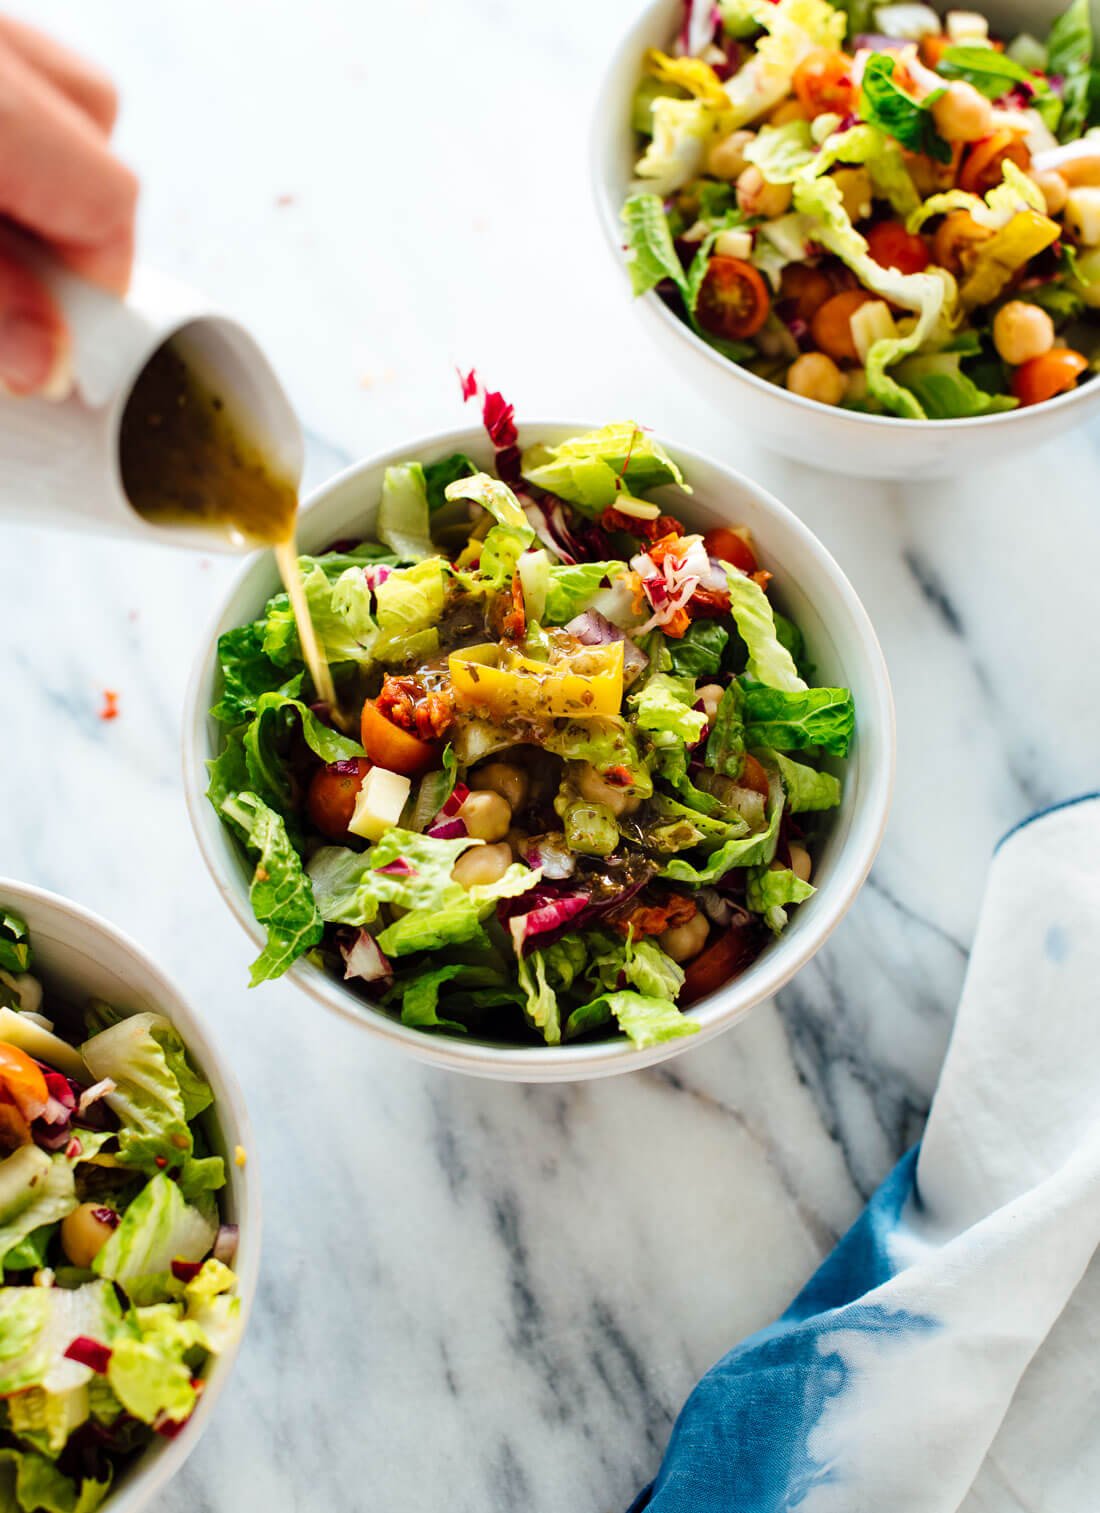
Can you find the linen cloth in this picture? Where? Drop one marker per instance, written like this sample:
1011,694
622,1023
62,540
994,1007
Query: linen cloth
946,1355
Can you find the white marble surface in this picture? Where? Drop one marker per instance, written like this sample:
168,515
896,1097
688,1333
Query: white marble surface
476,1296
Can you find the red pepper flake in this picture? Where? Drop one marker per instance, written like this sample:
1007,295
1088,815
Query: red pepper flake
89,1352
110,705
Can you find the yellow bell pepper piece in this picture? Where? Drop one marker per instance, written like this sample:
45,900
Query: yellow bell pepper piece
506,683
994,262
692,74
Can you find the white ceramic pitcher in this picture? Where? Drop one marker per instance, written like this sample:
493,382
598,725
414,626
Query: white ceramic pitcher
59,458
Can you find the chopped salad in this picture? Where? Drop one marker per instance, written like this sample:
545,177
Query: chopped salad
582,764
878,208
117,1284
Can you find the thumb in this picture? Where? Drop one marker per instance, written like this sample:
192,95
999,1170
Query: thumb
34,344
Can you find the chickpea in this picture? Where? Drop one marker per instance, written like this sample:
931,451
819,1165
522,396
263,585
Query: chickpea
1022,331
801,864
482,865
726,159
711,696
956,235
504,778
593,786
962,114
755,196
86,1230
815,376
487,816
1054,191
684,941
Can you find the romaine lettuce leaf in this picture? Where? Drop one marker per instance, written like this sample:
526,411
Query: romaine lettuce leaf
403,517
768,891
748,851
644,1019
31,1483
885,104
541,1001
615,961
409,602
37,1325
726,742
806,788
1069,56
437,475
156,1095
664,704
497,498
157,1228
677,150
149,1371
651,253
265,744
591,471
604,743
335,635
822,717
994,74
698,652
571,589
35,1190
15,946
1001,204
247,672
768,660
279,892
944,391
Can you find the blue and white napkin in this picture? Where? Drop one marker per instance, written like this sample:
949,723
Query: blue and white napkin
947,1354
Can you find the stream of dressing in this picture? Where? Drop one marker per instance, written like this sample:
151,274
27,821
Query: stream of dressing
185,462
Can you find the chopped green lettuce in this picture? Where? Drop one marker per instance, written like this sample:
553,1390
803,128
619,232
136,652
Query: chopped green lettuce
768,660
885,104
409,602
438,475
794,28
279,892
247,673
806,788
651,253
497,498
15,946
571,589
676,151
698,652
267,737
747,851
35,1190
664,704
1069,56
591,470
726,742
944,391
335,635
768,891
403,515
158,1227
645,1020
822,717
31,1483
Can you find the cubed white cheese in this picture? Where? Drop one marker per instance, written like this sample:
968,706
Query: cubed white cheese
733,244
379,803
967,28
909,23
872,322
1082,214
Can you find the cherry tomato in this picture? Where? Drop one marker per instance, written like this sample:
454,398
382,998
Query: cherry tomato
724,958
832,325
21,1081
729,547
955,235
981,169
823,82
1043,377
933,48
733,301
332,794
807,288
892,246
387,745
753,775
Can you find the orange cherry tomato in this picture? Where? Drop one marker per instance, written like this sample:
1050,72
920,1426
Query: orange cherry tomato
807,288
933,48
722,959
333,790
831,327
754,776
823,82
22,1082
1043,377
387,745
956,234
733,300
981,169
729,547
892,246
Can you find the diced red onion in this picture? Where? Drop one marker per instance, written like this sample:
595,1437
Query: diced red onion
88,1352
446,830
225,1243
399,867
364,959
186,1271
459,794
92,1094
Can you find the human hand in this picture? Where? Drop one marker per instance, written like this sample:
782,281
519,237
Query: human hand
59,181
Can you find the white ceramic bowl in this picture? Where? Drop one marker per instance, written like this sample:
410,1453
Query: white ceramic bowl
79,955
873,446
840,639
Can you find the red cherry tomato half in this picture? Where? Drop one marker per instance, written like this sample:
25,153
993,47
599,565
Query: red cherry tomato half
892,246
387,745
330,802
729,547
733,300
823,81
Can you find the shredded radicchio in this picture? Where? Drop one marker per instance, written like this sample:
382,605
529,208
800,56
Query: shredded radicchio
537,919
594,629
499,420
445,830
